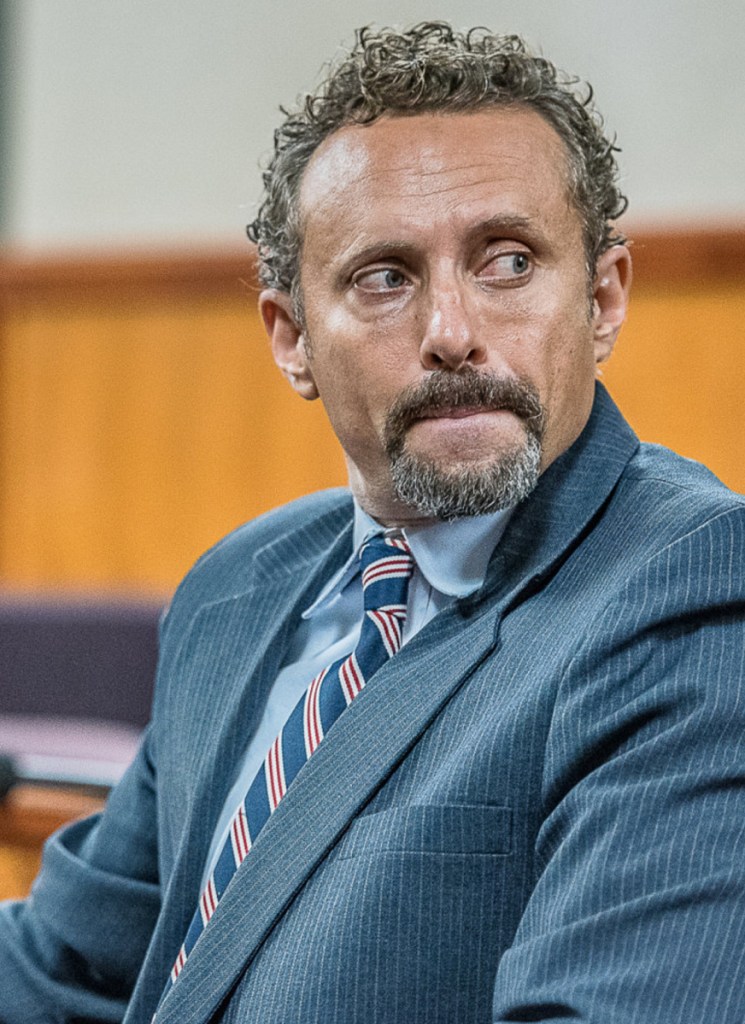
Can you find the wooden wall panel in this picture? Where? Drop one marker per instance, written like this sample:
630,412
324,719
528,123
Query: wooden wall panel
141,416
137,432
678,373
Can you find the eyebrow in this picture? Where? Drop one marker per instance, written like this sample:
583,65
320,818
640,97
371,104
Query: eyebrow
380,250
503,224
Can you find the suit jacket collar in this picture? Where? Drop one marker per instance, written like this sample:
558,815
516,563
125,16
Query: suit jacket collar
392,712
545,528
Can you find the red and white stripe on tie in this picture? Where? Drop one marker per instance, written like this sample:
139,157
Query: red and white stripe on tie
352,680
312,725
208,901
389,627
275,774
392,567
179,964
240,837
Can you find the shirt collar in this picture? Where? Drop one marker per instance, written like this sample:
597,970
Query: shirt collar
451,556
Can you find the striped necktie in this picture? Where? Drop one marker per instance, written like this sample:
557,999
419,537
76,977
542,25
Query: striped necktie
386,565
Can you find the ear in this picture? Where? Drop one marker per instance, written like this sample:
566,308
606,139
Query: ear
287,341
610,296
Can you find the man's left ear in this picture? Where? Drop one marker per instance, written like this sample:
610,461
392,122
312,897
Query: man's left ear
610,295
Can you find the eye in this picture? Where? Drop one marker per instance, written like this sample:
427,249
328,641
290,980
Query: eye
384,279
508,267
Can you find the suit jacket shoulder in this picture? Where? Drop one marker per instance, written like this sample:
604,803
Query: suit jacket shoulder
664,479
280,541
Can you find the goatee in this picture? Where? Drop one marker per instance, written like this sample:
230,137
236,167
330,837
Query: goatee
445,492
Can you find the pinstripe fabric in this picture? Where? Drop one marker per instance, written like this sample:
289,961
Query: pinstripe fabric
386,565
600,853
545,823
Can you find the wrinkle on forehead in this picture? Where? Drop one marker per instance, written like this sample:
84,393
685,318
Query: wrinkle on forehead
422,181
413,156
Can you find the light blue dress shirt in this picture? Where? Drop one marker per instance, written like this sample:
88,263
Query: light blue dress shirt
451,560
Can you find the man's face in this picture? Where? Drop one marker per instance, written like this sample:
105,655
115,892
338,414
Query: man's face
447,328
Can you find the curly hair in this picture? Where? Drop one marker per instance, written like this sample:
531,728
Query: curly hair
431,68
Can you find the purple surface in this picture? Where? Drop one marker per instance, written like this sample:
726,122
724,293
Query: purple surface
84,658
68,737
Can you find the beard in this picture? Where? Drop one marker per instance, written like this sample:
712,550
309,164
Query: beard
449,492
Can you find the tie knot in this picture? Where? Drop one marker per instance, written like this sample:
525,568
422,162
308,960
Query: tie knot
387,565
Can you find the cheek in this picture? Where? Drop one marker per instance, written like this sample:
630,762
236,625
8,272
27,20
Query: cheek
349,391
361,381
569,391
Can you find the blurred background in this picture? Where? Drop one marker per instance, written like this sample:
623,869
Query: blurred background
141,417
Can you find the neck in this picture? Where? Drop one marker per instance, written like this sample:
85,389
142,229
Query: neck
382,505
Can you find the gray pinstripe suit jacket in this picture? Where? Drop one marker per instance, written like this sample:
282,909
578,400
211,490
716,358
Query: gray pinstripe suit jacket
536,811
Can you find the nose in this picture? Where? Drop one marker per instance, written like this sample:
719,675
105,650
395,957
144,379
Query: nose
450,341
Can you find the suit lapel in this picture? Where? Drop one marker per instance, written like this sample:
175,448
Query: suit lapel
238,647
545,529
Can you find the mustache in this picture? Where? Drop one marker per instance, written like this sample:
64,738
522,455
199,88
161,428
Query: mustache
467,389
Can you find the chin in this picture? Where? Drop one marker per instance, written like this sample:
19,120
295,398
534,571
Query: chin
450,490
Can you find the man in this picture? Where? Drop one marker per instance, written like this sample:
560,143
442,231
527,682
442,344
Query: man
532,811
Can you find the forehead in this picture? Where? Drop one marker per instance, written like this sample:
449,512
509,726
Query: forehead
403,168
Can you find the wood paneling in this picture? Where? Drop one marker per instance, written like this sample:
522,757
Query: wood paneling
699,259
141,416
678,373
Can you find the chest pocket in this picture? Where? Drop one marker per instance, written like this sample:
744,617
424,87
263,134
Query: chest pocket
450,829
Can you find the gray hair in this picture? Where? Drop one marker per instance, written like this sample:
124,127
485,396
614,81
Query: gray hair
431,68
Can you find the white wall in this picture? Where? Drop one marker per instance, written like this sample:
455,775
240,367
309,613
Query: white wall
139,122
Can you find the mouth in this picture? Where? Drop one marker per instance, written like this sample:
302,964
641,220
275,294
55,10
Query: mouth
459,428
475,400
459,412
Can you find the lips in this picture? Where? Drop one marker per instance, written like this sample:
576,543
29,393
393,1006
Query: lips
444,395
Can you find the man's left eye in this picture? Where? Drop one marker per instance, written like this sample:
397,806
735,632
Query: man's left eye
382,280
509,265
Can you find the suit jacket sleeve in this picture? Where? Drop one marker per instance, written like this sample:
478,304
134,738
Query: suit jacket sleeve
638,912
73,950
